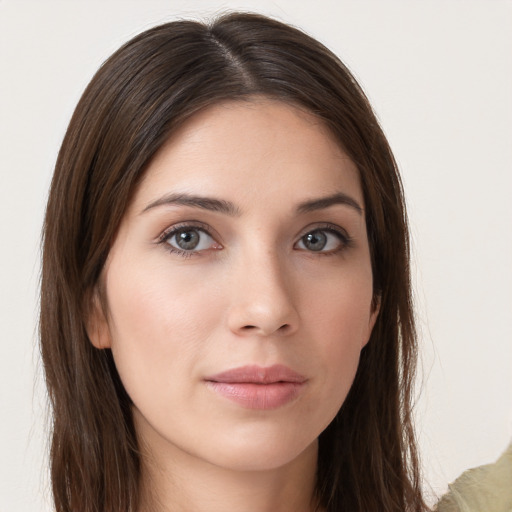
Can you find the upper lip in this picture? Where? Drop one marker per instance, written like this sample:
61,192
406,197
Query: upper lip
258,375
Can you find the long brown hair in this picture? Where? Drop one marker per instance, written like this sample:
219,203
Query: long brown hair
137,99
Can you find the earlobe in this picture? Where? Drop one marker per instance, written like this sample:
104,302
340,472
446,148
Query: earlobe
374,314
96,323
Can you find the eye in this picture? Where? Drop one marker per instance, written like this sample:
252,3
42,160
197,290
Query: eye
187,240
323,240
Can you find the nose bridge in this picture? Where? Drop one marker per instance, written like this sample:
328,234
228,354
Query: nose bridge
263,300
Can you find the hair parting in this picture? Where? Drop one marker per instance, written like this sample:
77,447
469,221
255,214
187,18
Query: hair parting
139,97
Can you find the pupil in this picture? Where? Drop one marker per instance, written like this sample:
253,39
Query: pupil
315,241
187,239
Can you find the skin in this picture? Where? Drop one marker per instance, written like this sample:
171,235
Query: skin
253,292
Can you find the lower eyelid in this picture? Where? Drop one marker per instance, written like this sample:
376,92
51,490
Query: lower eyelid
183,226
211,243
345,241
173,234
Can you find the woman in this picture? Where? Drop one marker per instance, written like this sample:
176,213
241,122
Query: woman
226,321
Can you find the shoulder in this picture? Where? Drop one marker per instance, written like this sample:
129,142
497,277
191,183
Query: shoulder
486,488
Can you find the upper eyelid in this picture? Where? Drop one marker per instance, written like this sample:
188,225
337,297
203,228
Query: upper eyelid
192,224
342,234
206,228
323,226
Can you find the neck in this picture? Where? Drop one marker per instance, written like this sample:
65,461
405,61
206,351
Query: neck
175,481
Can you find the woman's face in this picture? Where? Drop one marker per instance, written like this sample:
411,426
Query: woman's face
239,287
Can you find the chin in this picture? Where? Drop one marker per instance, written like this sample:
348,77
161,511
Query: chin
261,452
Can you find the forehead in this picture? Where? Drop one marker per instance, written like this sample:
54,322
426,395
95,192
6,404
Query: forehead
240,150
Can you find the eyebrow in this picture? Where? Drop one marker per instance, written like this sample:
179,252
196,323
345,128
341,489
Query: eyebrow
325,202
205,203
229,208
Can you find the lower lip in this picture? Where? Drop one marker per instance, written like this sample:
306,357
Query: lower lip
258,396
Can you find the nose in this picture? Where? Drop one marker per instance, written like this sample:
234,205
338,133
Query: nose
263,301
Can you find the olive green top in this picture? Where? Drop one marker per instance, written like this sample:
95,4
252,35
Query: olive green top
483,489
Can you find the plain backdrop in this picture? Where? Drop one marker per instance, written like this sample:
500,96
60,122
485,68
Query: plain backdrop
439,74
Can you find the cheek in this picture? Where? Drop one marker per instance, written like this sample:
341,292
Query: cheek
338,318
339,307
159,323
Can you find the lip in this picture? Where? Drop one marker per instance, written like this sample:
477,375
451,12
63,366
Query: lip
256,387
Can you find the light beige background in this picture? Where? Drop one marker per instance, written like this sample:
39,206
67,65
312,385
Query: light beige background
439,74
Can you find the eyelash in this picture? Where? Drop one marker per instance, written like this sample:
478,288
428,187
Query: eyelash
346,241
169,233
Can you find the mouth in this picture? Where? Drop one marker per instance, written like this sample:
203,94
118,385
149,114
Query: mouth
256,387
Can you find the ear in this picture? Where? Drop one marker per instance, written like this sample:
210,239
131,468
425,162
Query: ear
374,313
96,323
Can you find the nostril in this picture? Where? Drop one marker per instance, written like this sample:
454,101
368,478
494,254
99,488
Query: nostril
265,330
283,327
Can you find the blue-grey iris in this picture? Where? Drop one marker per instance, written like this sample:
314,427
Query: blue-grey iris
315,241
